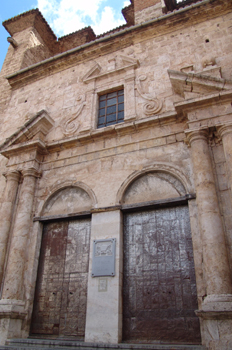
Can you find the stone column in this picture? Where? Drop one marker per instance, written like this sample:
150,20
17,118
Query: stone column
225,132
13,284
12,306
6,214
104,300
216,263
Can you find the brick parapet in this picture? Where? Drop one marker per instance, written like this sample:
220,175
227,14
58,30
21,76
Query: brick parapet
75,39
141,5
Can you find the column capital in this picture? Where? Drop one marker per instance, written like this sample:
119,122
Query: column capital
224,129
31,172
195,135
12,175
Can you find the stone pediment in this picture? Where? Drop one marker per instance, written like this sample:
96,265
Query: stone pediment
120,63
191,84
31,133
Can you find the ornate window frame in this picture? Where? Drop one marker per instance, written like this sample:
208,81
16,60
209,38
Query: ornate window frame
120,75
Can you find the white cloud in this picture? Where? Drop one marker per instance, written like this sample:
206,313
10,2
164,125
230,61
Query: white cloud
67,16
126,3
107,21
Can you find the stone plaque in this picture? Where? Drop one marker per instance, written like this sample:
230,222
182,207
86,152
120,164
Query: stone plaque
102,284
103,257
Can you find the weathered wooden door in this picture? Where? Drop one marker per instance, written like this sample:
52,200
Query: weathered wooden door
61,290
159,291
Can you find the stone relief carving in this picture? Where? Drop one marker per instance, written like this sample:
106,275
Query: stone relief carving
153,105
104,249
72,124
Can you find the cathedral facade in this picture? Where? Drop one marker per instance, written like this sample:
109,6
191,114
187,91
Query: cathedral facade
116,164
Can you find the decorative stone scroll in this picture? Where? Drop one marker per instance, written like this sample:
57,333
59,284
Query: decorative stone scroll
72,124
103,257
153,105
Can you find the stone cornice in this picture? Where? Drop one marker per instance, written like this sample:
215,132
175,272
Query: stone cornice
39,124
9,148
118,40
112,130
203,101
36,145
200,83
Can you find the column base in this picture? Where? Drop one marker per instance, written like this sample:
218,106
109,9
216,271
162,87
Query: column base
217,303
216,320
12,313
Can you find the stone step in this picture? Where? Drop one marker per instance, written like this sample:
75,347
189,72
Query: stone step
55,344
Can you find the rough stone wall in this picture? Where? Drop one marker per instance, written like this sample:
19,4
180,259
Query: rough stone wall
104,159
173,50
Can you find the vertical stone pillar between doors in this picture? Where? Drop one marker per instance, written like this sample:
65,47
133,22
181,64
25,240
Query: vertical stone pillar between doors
6,214
12,305
225,132
216,263
104,306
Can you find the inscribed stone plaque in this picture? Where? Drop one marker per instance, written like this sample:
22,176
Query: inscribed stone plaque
102,284
103,257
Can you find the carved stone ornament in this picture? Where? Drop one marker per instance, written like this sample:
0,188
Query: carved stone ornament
116,65
153,105
72,124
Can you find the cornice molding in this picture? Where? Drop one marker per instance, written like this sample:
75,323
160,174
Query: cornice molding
114,41
30,136
183,107
199,83
112,130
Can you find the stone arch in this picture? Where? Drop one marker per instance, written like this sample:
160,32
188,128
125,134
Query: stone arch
160,181
68,198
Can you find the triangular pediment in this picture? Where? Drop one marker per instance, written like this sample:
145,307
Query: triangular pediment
191,83
121,62
127,61
36,128
93,72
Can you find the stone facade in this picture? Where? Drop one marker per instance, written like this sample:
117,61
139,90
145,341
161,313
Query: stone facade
174,147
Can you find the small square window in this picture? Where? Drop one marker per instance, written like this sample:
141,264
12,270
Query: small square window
111,108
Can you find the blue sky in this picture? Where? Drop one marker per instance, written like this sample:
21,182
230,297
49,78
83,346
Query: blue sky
65,16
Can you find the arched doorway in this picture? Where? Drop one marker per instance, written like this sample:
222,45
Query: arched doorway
159,285
61,288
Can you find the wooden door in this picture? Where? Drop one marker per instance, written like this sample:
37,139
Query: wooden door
61,290
159,288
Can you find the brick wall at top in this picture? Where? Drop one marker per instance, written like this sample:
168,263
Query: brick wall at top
141,5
